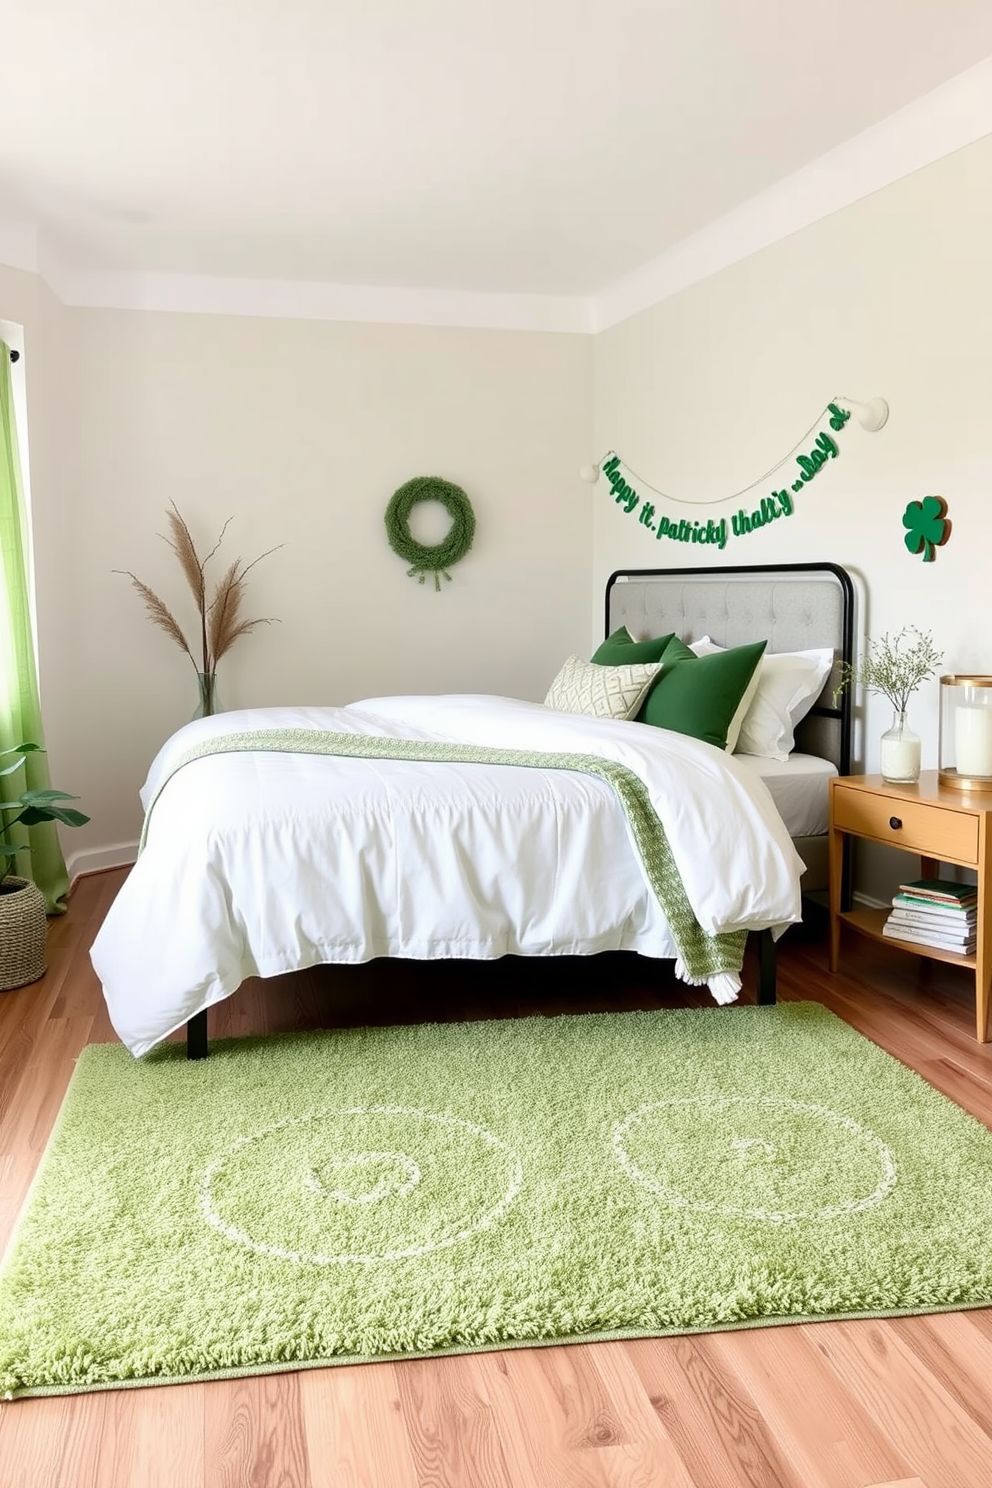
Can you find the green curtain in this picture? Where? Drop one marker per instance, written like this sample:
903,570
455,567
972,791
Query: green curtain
20,709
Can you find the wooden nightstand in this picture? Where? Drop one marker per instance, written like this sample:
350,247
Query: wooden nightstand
942,825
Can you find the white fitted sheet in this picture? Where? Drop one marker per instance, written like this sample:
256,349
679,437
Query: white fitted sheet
798,786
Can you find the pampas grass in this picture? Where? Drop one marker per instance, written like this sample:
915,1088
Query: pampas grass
219,613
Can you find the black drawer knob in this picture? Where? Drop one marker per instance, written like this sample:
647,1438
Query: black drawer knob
895,822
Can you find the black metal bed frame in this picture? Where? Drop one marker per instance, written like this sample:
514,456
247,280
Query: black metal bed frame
767,954
821,710
197,1042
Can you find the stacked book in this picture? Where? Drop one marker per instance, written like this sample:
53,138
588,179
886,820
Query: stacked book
935,912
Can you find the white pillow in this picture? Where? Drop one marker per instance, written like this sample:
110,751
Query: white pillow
601,691
789,683
706,647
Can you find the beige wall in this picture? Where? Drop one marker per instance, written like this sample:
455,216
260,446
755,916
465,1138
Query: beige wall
300,431
703,392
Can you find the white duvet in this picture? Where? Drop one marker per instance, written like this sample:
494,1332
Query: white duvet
260,863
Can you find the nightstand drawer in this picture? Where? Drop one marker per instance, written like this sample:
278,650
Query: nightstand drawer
931,830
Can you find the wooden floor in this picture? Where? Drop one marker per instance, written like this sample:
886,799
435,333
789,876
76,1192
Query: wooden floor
830,1405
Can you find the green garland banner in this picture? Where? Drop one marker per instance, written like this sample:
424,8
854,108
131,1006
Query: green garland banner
776,504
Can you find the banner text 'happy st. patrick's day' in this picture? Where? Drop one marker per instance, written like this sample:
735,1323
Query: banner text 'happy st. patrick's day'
742,523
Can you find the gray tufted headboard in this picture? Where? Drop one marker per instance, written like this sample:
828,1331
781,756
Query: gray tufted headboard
793,607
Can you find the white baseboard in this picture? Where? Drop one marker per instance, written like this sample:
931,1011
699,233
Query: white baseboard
98,859
866,901
860,901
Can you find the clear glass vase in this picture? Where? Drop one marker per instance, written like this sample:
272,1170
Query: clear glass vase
899,752
209,703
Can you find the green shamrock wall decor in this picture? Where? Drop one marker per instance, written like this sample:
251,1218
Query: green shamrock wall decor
927,524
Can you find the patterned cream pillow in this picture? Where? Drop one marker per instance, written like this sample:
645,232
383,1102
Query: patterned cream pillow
602,691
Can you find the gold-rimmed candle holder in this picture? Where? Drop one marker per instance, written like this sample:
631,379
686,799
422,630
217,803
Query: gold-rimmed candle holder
964,751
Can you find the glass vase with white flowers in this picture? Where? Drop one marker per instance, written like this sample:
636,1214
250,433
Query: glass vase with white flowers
894,667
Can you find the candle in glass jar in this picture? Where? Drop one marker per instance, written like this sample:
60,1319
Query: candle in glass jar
973,739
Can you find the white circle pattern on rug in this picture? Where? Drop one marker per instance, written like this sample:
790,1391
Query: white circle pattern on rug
345,1196
766,1158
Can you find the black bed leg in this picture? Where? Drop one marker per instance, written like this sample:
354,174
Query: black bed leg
196,1036
766,968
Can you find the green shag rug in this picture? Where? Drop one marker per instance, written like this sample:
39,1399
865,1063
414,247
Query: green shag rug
382,1192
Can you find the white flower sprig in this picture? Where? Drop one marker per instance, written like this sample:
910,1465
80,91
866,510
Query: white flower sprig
893,666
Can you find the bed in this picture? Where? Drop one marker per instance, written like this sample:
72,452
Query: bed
474,827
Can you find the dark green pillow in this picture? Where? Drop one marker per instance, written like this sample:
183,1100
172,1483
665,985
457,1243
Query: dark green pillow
698,695
620,649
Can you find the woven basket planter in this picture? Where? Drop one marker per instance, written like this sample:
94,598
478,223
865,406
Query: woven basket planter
23,933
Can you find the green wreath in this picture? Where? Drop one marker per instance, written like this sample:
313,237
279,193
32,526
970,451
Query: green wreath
439,558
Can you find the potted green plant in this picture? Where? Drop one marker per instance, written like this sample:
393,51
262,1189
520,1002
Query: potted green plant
894,667
23,921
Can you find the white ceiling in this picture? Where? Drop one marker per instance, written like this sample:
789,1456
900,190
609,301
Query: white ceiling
521,147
